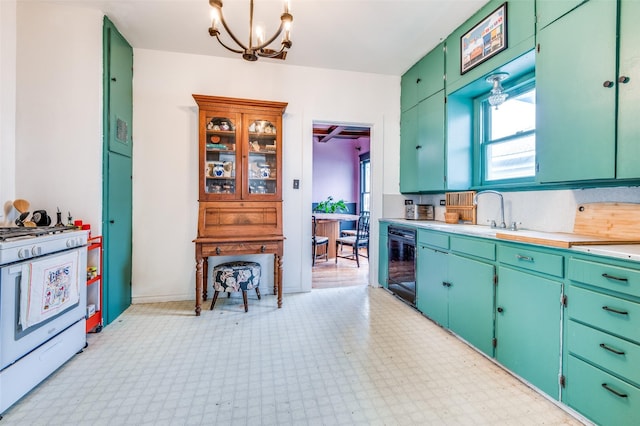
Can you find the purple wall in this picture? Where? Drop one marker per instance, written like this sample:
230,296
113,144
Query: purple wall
336,171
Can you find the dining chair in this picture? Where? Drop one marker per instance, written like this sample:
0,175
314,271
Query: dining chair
318,241
352,232
356,242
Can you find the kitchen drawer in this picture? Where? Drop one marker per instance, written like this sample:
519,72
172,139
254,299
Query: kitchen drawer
586,393
474,247
226,249
433,239
533,260
611,353
615,278
609,313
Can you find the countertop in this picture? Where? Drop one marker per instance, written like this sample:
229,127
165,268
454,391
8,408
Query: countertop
620,251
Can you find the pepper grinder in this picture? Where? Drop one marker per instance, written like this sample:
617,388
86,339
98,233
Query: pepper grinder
59,218
69,219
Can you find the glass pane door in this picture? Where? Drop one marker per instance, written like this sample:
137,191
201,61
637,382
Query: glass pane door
220,164
262,151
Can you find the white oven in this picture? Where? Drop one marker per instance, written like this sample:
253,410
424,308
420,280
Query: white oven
42,308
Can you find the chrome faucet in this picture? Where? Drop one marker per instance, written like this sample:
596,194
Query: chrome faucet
489,191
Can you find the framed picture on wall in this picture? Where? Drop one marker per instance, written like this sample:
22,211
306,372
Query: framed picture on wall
486,39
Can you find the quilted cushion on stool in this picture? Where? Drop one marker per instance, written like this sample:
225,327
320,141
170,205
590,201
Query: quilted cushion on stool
236,276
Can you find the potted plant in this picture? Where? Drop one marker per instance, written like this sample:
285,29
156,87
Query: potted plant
330,206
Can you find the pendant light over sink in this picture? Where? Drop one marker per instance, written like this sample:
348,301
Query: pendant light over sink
497,96
258,46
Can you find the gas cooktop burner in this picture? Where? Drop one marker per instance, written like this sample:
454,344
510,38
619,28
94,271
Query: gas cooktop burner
15,233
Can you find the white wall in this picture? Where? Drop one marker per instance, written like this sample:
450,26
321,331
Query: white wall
58,141
165,142
7,103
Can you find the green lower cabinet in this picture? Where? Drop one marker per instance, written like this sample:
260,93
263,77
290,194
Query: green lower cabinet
528,323
600,396
383,254
432,291
471,293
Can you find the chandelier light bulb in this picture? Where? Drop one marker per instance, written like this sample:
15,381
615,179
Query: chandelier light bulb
258,45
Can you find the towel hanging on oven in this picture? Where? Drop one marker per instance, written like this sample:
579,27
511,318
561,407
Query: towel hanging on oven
47,287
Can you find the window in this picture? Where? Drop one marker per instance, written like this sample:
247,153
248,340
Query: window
365,183
507,136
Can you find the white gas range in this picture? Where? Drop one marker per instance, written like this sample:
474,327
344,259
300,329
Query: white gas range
42,304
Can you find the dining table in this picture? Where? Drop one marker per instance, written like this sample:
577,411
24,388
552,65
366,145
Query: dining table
328,225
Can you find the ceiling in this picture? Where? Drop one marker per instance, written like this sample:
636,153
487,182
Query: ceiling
339,132
374,36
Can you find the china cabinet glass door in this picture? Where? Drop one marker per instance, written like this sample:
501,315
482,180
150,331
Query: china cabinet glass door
263,156
221,155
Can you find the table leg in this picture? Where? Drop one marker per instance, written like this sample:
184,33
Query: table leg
275,274
199,264
279,269
205,277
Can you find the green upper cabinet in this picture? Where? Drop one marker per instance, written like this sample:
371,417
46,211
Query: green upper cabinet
628,153
409,88
548,11
520,39
408,147
423,79
576,118
422,146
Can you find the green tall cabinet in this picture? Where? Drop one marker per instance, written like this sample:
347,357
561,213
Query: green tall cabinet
582,108
422,125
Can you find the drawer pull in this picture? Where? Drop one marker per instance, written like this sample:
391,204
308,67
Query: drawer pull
615,311
611,277
613,391
263,249
610,349
218,251
446,284
521,257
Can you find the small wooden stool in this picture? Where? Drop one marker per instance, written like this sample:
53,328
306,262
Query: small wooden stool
236,276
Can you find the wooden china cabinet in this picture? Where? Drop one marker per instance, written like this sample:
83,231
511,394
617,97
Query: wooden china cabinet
240,183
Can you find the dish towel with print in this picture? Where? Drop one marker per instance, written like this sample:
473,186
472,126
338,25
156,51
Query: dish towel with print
48,287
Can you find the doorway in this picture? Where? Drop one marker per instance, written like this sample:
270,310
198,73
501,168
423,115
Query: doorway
341,170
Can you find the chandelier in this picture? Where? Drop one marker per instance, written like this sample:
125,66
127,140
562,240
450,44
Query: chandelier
257,46
497,95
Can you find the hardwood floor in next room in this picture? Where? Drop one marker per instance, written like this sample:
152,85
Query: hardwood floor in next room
328,274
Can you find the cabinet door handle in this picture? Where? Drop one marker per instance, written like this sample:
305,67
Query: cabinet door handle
623,79
418,146
418,80
613,391
615,311
612,277
608,84
500,310
610,349
446,284
218,251
263,249
521,257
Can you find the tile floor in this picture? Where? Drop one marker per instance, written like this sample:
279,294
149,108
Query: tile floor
342,356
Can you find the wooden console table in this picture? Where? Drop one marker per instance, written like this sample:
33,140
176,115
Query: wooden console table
229,246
